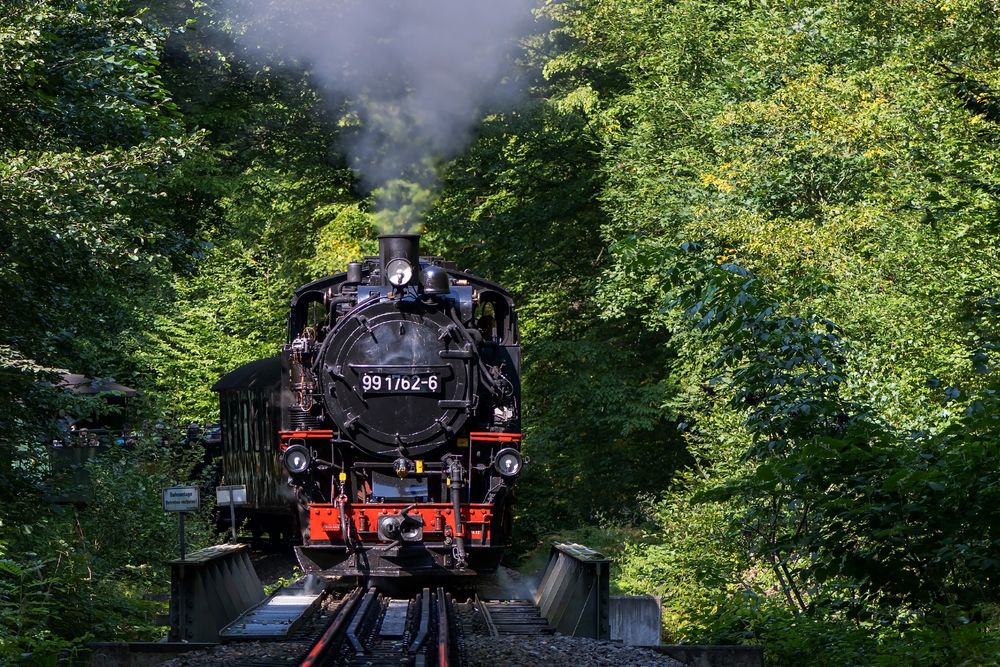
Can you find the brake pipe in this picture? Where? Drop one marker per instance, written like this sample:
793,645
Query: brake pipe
455,479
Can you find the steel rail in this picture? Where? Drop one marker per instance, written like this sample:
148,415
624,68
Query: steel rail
425,620
442,618
487,617
359,618
320,649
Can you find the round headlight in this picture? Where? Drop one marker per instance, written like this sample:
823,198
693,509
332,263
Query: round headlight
399,271
296,459
508,462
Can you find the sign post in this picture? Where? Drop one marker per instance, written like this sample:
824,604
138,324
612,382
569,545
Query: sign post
232,495
181,499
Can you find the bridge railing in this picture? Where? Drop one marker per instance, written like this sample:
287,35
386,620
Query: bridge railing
573,592
209,589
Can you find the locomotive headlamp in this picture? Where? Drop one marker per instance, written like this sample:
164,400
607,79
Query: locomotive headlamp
296,459
399,271
508,462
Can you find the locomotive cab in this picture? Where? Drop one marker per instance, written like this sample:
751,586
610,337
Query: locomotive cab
400,423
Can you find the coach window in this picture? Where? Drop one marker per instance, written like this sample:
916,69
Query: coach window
230,432
245,420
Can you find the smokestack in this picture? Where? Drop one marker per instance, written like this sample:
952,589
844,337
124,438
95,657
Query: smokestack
399,257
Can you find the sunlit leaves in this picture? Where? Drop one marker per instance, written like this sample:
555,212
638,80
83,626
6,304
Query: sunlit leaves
804,197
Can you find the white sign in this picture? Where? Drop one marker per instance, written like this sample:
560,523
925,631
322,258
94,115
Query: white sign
235,494
181,499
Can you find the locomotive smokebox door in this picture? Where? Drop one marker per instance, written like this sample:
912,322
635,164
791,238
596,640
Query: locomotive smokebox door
401,377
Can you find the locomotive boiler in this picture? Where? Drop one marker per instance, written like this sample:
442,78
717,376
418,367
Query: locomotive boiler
400,417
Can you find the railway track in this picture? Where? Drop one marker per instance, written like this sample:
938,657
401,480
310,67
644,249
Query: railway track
367,627
363,627
370,628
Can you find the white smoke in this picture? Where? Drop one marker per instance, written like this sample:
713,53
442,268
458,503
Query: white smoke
416,75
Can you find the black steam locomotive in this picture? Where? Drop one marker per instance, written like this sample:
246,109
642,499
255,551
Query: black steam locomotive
399,419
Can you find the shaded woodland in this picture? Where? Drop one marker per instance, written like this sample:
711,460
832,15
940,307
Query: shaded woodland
755,251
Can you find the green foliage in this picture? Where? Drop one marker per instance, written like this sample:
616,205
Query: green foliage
158,204
400,203
68,574
93,170
804,198
294,576
89,151
229,310
347,237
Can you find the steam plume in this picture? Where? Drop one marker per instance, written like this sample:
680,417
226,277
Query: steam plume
416,75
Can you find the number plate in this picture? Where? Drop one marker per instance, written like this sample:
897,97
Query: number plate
400,383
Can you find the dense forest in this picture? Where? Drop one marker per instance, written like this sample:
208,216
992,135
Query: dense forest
754,246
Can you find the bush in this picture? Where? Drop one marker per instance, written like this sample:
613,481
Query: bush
69,574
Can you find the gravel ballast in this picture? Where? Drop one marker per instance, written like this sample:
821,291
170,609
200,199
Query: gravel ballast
558,650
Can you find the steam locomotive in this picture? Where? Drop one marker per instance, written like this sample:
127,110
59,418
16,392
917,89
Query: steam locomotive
396,418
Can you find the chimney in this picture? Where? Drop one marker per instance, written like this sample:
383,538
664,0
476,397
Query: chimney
399,257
